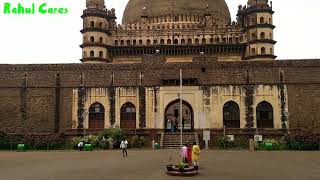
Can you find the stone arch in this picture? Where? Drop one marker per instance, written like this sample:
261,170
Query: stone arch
204,41
92,54
262,20
92,39
140,42
253,51
116,42
128,42
263,50
231,115
100,54
176,41
264,114
128,116
168,41
96,116
91,24
183,41
262,35
100,40
172,112
148,42
196,41
162,41
189,41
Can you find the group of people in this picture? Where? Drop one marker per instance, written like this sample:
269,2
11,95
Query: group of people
173,124
190,153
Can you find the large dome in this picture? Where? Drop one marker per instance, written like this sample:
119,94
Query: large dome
156,8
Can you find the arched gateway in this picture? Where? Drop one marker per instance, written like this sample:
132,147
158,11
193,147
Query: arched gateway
172,117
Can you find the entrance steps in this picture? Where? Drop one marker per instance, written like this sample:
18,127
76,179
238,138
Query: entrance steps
172,140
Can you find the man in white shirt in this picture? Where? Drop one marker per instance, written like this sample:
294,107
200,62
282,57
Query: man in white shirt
80,145
124,146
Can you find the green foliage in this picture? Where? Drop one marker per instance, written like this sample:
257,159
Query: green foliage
224,142
137,141
182,165
117,135
304,140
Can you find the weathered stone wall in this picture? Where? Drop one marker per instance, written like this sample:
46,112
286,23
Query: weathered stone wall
28,92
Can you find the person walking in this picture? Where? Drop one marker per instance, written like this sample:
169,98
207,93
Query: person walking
195,154
124,146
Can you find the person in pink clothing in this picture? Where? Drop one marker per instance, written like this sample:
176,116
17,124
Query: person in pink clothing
184,153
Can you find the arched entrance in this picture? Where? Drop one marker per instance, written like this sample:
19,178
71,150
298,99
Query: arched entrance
96,116
128,116
172,117
231,115
264,113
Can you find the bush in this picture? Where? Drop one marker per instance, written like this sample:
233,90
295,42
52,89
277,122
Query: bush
224,142
137,141
302,140
117,135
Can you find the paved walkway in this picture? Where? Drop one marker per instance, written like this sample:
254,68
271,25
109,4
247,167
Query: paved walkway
150,165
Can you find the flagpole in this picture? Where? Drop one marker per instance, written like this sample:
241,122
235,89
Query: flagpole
180,107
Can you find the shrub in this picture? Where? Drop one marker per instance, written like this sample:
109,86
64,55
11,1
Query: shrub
137,141
117,135
302,140
224,142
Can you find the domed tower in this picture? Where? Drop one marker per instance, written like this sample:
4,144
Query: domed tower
95,32
256,19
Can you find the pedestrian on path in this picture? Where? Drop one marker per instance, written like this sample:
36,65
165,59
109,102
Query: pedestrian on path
124,146
189,154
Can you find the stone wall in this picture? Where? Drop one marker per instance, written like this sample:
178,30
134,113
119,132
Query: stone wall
28,93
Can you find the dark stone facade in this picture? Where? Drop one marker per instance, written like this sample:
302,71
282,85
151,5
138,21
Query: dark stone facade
38,98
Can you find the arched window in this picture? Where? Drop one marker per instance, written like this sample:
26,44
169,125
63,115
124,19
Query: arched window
134,42
217,40
122,42
101,40
128,42
230,39
116,42
253,51
261,20
189,41
262,35
271,51
140,42
264,114
148,42
100,54
231,115
155,41
237,40
92,54
169,41
91,24
263,50
211,40
183,41
196,41
91,39
96,116
162,41
204,41
128,116
224,40
100,25
176,41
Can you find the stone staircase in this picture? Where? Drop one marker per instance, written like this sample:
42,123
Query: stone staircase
172,140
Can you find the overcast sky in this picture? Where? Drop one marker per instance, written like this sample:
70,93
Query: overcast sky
56,38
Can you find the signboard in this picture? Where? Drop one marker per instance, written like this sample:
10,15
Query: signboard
231,138
206,135
258,138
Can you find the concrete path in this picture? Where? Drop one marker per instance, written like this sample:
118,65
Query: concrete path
150,165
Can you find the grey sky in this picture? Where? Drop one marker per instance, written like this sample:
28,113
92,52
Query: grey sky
56,38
